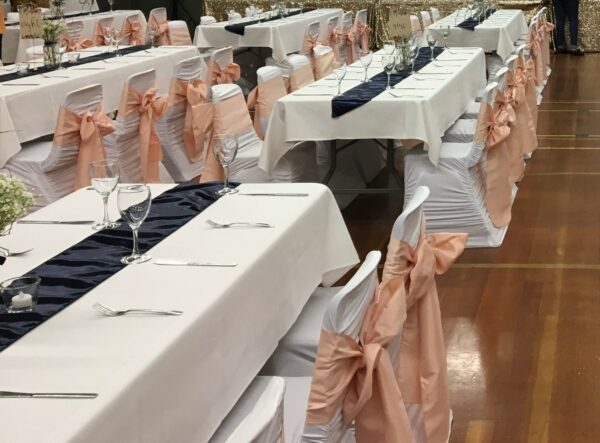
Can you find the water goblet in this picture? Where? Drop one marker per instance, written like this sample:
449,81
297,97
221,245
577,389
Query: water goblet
366,58
431,42
339,72
134,204
61,46
445,33
389,46
273,5
116,39
389,63
111,3
104,175
152,31
225,147
413,54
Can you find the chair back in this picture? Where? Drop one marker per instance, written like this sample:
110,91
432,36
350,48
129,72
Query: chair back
426,19
407,226
133,31
311,38
323,60
179,34
362,31
159,21
231,115
160,14
415,24
343,42
301,73
435,14
270,88
102,25
75,29
221,67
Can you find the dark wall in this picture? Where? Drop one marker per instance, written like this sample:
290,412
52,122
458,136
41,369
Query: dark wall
188,10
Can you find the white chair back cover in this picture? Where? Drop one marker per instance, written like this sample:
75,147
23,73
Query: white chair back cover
435,14
362,18
346,26
133,18
257,417
75,29
222,57
179,34
207,20
333,23
426,19
415,24
312,32
501,78
159,13
106,22
263,75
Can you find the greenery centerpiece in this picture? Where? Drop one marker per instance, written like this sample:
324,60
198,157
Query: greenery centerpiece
15,200
51,32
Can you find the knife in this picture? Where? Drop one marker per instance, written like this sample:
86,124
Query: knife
11,394
275,194
56,222
192,263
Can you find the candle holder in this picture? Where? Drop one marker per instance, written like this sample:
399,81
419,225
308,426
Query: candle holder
20,294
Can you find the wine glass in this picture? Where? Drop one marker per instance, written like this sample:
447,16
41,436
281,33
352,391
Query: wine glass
389,63
105,176
273,5
151,31
111,3
61,46
389,46
107,34
83,3
445,33
116,39
413,54
134,204
366,58
339,72
225,147
431,42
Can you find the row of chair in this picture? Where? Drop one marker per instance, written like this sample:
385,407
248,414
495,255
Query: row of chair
426,19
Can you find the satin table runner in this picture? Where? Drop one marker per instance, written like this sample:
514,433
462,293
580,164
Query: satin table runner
170,378
422,107
475,20
496,34
13,48
284,36
28,112
239,28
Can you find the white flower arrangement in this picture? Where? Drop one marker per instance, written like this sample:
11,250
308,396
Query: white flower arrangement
15,200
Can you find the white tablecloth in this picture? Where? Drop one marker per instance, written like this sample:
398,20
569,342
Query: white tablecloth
13,49
31,111
170,378
429,107
498,33
283,36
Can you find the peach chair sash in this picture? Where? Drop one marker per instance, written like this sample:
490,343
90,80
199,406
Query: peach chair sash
545,28
530,96
230,117
350,38
422,372
99,33
75,44
150,108
526,129
229,74
332,40
359,378
323,65
301,77
493,130
132,30
534,43
162,30
262,99
87,129
531,90
309,44
2,24
198,114
363,31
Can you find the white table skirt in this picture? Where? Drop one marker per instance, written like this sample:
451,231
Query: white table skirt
430,107
284,36
13,48
498,33
170,378
31,111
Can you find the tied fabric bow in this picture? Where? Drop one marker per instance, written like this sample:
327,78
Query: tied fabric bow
198,115
505,101
363,31
350,39
534,43
229,74
88,129
518,86
162,30
75,44
99,35
309,44
333,41
422,372
132,29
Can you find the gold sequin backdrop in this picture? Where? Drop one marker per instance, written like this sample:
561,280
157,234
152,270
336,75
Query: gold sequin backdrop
589,12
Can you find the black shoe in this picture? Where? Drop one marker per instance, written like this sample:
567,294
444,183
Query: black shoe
576,51
560,50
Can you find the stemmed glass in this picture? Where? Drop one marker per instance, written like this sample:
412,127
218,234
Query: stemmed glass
413,54
445,34
151,31
83,3
225,147
389,46
339,72
107,34
105,176
431,42
61,45
389,63
366,58
134,204
273,5
116,39
111,3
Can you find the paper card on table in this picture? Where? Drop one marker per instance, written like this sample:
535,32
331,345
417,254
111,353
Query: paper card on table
31,22
399,27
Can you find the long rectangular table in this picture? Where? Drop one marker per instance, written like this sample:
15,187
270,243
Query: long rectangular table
283,36
431,101
169,378
13,48
29,112
496,34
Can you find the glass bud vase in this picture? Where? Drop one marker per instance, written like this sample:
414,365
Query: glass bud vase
51,54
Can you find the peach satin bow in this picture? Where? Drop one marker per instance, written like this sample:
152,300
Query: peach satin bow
333,42
75,44
308,45
422,370
363,31
150,108
99,35
198,115
359,379
162,30
262,99
87,129
350,38
132,29
229,74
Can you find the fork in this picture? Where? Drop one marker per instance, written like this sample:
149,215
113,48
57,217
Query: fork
116,313
214,224
4,252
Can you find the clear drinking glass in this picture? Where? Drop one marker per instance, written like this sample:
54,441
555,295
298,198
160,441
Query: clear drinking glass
134,204
389,47
339,72
104,175
366,58
20,294
107,34
116,38
273,5
111,3
151,31
61,45
225,147
413,54
445,34
431,42
389,63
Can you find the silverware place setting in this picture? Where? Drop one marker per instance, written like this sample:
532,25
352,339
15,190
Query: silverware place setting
274,194
55,222
88,69
55,76
54,395
5,252
389,91
20,84
169,262
217,225
108,312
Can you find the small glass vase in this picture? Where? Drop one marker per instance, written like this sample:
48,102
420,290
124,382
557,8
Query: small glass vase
51,54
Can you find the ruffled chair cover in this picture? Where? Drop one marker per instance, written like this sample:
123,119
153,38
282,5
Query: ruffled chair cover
263,97
133,31
310,39
222,69
331,36
100,30
179,34
346,37
158,20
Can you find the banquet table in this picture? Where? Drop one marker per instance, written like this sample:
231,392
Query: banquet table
496,34
283,36
28,112
13,48
169,378
423,107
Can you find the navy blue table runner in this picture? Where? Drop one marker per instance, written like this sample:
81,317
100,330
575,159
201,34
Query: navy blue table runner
240,28
472,22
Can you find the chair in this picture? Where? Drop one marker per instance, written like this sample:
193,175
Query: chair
300,72
270,88
221,68
101,30
415,24
135,144
257,417
310,39
362,32
56,168
184,127
425,18
331,35
346,39
179,34
73,37
470,187
157,19
133,31
435,14
323,61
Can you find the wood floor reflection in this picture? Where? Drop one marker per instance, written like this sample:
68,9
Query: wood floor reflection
522,322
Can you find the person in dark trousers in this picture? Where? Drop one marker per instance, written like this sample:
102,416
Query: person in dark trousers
567,9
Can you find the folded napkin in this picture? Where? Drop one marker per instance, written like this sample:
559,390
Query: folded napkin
365,92
240,28
472,22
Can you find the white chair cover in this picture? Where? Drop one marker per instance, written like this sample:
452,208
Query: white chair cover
312,32
179,34
426,19
222,57
263,75
106,22
416,25
346,26
159,13
257,417
362,18
435,14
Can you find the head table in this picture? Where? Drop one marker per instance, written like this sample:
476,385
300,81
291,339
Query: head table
169,378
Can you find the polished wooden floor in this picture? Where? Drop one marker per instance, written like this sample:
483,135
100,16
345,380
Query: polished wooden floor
522,322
